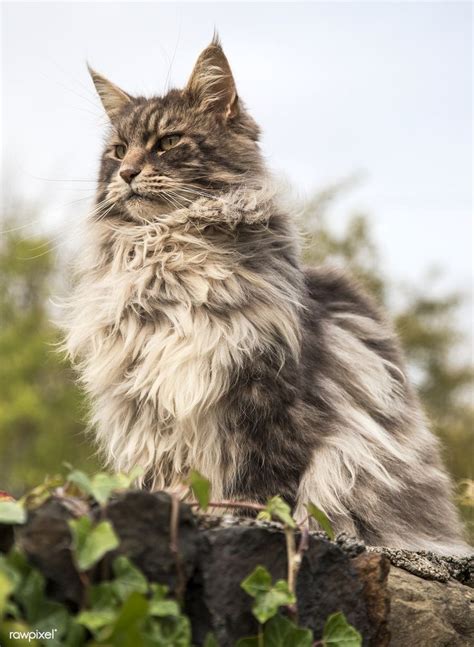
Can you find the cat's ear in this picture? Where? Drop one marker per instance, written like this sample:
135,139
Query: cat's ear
113,98
212,83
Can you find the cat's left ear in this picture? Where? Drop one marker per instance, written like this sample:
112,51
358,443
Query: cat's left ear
212,83
113,98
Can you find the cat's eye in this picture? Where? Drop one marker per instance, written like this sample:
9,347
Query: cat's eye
120,150
168,142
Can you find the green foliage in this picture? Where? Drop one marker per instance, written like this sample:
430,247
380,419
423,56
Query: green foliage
276,508
279,632
338,632
26,607
321,518
102,485
41,410
91,542
268,597
124,611
201,489
12,512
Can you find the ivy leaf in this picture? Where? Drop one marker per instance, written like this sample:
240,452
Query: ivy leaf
337,631
90,543
104,484
258,582
41,493
268,598
210,641
12,512
201,488
30,594
96,619
281,632
278,508
6,588
264,515
103,596
321,518
81,480
164,608
128,578
128,626
252,641
267,604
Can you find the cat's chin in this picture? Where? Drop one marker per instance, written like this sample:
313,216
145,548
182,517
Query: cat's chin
141,208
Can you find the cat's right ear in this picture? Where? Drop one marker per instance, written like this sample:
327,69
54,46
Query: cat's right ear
113,98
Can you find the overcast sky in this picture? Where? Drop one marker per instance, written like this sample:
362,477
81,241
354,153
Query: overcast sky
382,88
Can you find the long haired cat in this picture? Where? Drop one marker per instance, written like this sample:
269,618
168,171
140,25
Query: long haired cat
203,343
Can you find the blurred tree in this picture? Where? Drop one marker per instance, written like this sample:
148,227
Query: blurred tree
40,408
427,326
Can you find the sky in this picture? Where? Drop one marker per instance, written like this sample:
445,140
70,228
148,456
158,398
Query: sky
380,89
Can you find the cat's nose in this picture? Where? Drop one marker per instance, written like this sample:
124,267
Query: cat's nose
128,172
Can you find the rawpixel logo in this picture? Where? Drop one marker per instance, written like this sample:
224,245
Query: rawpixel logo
33,635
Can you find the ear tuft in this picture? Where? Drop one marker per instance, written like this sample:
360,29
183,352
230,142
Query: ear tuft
113,98
212,83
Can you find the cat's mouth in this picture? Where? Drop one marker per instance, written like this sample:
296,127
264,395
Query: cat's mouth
145,205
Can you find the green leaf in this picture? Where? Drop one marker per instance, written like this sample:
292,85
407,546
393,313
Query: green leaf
278,508
259,581
164,608
12,512
103,596
76,635
210,641
321,518
159,606
128,627
268,598
96,619
128,578
103,485
30,594
251,641
41,493
201,489
337,631
82,481
267,604
90,543
6,588
281,632
264,515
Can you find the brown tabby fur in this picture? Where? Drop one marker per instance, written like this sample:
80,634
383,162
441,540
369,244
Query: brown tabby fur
204,344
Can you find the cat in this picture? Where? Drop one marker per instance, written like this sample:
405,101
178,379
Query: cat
204,344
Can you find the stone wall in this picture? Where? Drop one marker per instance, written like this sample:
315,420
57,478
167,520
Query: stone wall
392,597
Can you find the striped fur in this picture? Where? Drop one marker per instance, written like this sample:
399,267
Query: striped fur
204,344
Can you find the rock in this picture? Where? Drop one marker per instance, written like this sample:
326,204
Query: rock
6,537
327,582
373,571
204,559
429,565
142,522
429,613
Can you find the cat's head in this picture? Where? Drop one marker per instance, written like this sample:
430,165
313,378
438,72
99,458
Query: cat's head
165,152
